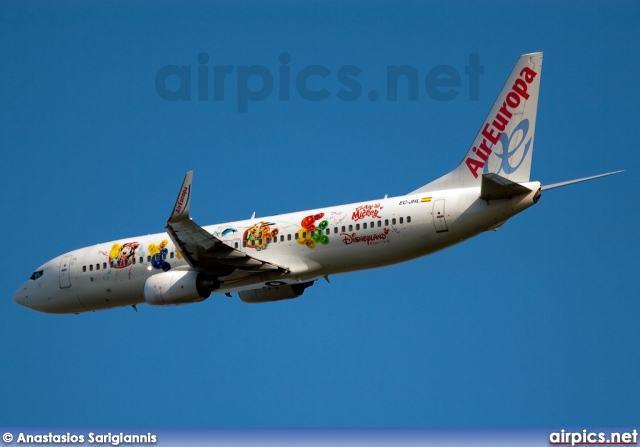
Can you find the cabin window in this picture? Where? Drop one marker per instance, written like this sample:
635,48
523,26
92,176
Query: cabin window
393,221
133,259
328,231
282,238
350,227
408,219
312,233
148,258
335,230
91,268
268,240
141,260
402,220
289,237
304,235
386,222
244,243
97,266
84,269
343,229
379,223
357,226
235,245
171,255
275,239
364,226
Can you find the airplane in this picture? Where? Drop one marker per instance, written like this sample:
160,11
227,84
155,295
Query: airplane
278,257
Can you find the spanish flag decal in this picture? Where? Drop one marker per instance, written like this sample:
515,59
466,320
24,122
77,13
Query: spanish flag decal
426,199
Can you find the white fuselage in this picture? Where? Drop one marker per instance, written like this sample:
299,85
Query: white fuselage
307,245
276,257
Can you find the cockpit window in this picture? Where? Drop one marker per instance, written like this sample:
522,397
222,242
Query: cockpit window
36,275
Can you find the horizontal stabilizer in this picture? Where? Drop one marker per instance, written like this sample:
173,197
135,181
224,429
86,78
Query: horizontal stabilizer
570,182
494,187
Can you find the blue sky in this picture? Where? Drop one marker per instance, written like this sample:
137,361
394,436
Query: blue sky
533,325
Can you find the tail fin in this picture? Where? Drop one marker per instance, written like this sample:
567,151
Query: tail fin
504,143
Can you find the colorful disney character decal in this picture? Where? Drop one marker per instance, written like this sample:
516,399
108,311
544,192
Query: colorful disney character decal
121,256
260,235
310,234
158,253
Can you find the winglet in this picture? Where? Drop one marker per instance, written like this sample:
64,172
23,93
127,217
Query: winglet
181,208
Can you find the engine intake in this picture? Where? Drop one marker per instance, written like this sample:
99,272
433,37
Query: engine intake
277,293
178,287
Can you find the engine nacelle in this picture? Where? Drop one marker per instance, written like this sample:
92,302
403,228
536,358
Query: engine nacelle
178,287
274,293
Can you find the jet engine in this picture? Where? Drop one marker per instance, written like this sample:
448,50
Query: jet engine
274,293
178,287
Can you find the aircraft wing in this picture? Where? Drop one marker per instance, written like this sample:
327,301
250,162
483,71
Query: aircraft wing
203,251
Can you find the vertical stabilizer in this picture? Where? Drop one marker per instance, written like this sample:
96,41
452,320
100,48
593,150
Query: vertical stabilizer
504,143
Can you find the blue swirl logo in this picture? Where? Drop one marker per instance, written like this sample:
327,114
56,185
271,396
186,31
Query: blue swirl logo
507,153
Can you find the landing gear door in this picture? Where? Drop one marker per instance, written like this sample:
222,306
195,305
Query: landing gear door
439,219
65,272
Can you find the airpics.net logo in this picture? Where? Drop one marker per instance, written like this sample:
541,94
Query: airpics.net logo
208,80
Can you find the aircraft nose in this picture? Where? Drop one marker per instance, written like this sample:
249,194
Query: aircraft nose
21,295
18,297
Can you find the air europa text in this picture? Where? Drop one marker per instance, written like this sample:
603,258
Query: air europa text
491,132
183,194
